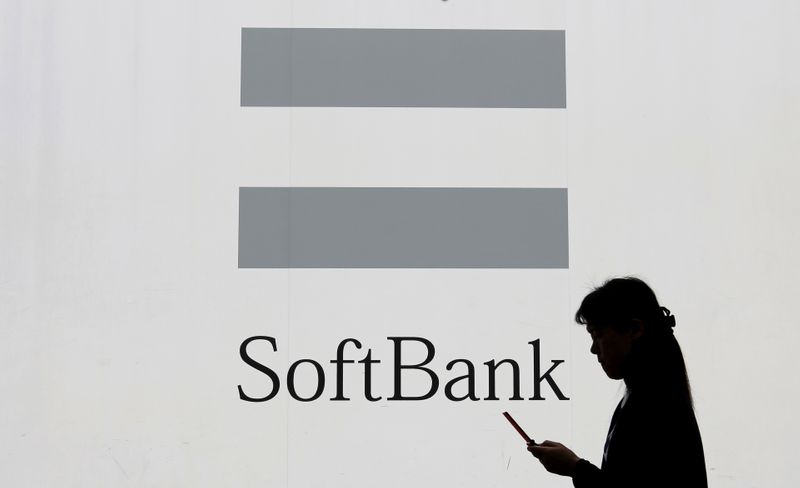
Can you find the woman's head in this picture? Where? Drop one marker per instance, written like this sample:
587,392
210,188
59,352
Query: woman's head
632,337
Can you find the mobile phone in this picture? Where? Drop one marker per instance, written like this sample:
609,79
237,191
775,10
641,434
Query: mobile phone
518,428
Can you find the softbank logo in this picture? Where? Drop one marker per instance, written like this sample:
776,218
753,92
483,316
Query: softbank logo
402,227
317,227
535,377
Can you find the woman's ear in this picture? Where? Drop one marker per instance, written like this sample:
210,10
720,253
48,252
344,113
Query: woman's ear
637,328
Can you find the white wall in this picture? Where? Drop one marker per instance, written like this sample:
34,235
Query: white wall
122,310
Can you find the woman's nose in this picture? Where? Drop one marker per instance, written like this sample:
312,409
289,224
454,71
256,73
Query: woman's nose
593,349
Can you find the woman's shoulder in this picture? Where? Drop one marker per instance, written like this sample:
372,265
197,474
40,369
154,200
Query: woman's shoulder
654,430
655,413
660,400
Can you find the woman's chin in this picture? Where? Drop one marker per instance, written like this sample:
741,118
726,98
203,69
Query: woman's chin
614,375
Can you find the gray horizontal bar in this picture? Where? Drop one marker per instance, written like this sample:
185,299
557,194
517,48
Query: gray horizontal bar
403,68
315,227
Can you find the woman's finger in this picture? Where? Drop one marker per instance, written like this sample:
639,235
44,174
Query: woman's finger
536,450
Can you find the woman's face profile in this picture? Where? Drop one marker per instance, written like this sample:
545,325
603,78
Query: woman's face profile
612,347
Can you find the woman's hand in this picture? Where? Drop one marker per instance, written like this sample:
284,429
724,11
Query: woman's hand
555,457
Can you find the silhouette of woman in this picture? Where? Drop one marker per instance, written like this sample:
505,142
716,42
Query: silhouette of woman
653,439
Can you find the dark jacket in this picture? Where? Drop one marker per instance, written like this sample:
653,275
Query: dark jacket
654,442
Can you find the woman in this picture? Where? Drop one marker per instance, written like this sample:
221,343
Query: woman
653,439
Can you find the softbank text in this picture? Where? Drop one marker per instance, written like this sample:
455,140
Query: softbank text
468,391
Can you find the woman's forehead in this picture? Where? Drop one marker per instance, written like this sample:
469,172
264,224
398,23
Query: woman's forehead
595,328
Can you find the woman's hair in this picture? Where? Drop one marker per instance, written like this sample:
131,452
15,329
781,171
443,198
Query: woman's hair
655,366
